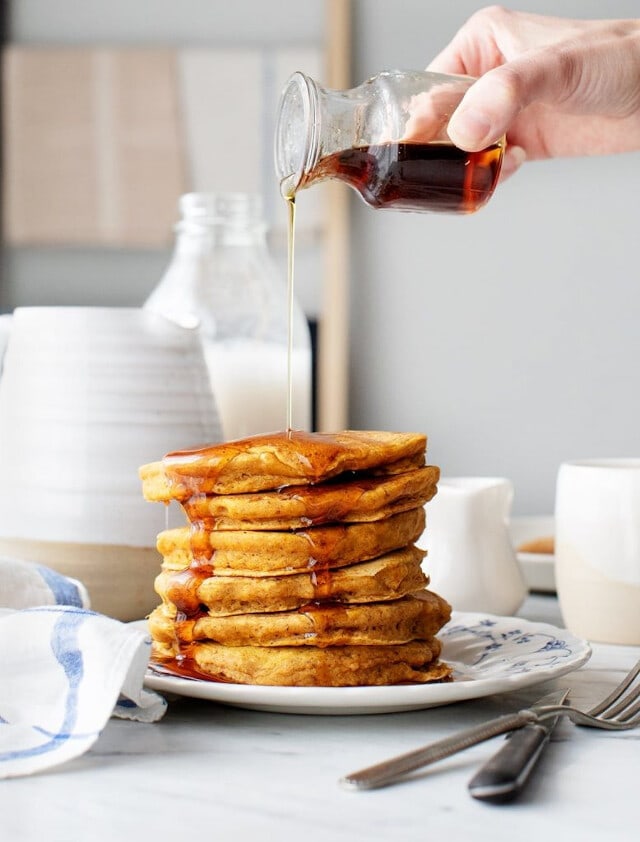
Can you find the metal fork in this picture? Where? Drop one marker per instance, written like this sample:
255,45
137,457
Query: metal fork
619,711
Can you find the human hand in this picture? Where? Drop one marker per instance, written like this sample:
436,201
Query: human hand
554,86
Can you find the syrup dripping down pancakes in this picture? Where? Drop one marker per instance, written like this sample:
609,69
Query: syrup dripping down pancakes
298,565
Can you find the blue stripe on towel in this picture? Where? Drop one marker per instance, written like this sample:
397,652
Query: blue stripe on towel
64,645
64,591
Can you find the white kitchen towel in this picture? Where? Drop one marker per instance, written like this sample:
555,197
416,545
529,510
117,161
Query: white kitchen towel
64,670
25,584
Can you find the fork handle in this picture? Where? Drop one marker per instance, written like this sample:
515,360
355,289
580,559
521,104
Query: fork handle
389,771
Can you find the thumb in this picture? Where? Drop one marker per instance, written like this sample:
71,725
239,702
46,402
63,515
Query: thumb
494,101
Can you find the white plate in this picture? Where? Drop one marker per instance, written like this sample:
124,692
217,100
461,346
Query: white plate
489,655
538,568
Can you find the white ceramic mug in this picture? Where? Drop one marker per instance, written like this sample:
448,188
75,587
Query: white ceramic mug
597,548
471,561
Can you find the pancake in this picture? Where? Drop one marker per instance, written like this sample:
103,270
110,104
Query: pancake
417,617
267,462
251,553
359,500
195,590
308,666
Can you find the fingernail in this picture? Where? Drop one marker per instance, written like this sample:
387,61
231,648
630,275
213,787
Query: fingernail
470,129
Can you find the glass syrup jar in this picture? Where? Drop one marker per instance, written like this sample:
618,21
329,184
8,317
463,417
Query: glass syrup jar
386,138
223,282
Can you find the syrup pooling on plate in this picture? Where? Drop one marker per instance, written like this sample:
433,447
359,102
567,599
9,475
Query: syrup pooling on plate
184,665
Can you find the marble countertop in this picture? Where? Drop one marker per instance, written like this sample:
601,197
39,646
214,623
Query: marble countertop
231,774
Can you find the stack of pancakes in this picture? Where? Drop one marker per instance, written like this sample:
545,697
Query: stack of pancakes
298,566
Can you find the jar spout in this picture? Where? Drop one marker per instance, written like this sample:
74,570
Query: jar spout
297,130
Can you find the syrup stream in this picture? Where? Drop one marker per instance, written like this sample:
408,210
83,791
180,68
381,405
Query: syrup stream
291,210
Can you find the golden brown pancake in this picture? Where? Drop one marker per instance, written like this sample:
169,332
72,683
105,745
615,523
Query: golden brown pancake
251,553
308,666
417,617
390,576
355,501
280,459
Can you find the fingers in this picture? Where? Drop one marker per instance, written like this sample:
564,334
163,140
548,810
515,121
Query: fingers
473,49
485,112
514,158
553,86
492,103
450,60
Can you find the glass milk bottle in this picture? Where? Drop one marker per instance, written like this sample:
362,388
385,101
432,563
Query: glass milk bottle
223,282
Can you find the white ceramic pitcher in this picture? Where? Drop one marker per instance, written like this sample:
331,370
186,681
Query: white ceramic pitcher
471,560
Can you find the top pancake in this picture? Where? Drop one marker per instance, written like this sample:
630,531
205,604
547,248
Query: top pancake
267,462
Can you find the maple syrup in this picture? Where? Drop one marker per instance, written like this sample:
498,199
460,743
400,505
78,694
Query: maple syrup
183,586
291,229
415,176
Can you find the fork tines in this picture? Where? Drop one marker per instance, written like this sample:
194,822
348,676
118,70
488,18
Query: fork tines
619,705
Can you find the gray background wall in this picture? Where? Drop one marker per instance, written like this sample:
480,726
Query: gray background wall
510,337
